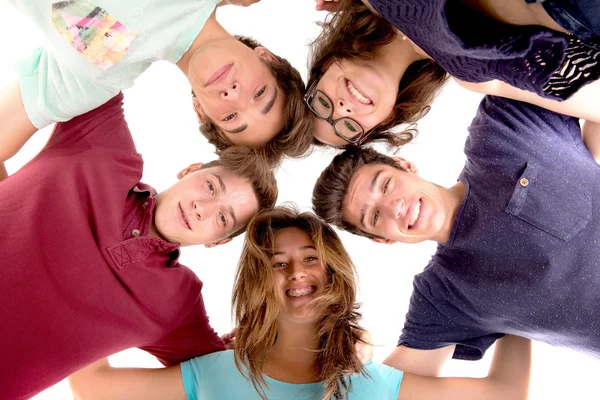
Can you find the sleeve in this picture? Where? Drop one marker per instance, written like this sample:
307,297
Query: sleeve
194,337
52,93
104,127
437,318
390,378
201,371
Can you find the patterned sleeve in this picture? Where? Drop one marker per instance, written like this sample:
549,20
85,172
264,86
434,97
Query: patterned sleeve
52,93
436,318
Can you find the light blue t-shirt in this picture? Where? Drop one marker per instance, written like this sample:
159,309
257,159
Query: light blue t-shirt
97,48
215,377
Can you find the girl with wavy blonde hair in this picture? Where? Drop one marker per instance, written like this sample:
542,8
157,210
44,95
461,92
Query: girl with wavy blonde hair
295,307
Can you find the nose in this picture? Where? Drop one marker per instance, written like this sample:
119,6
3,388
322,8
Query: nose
203,210
343,108
396,208
232,92
296,271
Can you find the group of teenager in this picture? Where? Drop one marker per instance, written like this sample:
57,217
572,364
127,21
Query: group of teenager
90,254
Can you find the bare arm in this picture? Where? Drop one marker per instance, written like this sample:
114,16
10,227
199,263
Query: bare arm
590,133
101,381
420,362
583,104
508,378
15,127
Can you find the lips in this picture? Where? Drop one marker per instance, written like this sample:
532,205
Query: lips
184,218
299,292
356,95
413,214
219,74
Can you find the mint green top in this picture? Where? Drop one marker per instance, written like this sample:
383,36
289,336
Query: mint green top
215,377
97,48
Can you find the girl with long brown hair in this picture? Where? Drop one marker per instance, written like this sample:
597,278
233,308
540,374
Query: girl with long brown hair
296,312
369,73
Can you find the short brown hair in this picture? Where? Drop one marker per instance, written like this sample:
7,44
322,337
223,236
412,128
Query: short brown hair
332,185
246,163
295,138
354,32
257,304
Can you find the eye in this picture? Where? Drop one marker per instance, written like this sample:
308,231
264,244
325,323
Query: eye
386,185
210,187
223,219
280,264
260,92
324,102
310,259
349,126
229,117
375,217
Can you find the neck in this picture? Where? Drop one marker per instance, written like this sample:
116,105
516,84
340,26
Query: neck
397,56
453,197
211,32
293,357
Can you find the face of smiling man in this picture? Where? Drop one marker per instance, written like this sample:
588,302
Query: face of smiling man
204,207
399,206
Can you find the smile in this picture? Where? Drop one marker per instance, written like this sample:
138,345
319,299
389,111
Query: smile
184,217
360,97
298,292
416,212
219,74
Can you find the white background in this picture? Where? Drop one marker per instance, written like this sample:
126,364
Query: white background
165,130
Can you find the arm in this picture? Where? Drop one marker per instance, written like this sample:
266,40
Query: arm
590,133
583,104
508,378
420,362
15,127
101,381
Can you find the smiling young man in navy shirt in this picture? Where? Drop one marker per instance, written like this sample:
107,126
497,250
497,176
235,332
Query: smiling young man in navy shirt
518,235
89,254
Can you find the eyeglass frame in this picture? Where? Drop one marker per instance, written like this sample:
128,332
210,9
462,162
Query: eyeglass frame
311,92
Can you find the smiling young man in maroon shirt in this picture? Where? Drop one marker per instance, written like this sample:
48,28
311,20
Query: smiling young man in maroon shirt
89,254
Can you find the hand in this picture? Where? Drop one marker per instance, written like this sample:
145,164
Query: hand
241,3
229,339
326,5
364,347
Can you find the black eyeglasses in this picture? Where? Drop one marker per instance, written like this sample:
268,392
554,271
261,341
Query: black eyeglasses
322,107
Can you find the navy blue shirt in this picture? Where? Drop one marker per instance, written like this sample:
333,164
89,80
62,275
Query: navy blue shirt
523,256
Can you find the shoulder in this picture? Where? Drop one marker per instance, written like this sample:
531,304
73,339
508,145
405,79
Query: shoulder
378,381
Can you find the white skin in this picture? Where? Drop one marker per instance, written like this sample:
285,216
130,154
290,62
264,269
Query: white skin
291,359
204,207
400,206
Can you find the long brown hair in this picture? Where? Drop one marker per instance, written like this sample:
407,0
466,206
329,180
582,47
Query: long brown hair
354,32
256,302
295,137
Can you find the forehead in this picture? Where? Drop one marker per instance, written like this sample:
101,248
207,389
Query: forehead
361,189
292,237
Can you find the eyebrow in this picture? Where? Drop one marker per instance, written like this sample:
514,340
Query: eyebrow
237,130
224,190
270,103
301,248
363,210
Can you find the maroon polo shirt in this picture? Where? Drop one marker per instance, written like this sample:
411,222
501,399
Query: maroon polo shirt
80,278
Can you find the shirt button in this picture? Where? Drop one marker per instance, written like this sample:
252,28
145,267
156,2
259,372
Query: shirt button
144,205
135,232
524,182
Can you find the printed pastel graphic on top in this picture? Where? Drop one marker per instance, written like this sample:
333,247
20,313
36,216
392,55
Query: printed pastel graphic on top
92,31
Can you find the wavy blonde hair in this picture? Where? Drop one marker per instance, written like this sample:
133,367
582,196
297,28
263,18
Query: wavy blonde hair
256,302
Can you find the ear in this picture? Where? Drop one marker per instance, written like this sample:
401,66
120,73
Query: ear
217,243
198,109
407,165
384,241
265,54
188,169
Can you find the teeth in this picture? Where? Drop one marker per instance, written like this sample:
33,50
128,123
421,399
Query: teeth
300,292
415,215
359,96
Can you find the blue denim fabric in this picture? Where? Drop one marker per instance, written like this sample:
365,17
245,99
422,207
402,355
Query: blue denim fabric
580,17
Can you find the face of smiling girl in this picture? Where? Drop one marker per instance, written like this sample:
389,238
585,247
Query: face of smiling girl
299,274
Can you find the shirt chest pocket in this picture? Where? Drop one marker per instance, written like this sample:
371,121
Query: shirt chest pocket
556,203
